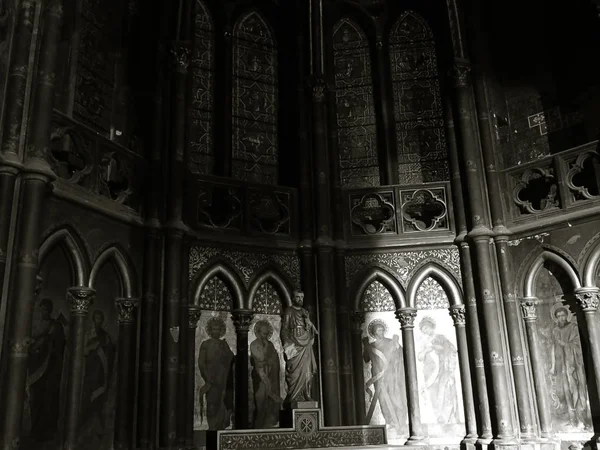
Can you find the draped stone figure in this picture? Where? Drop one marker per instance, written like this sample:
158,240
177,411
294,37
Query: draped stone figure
297,336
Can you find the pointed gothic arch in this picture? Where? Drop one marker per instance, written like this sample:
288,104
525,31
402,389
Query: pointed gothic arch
590,267
125,269
375,273
227,275
439,274
529,289
71,243
270,274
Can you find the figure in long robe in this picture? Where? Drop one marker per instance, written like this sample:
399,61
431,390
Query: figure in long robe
297,336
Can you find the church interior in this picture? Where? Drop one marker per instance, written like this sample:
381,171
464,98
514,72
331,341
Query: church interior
284,224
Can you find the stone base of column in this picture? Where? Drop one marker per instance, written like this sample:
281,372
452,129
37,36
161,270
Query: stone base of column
483,443
506,444
468,443
416,441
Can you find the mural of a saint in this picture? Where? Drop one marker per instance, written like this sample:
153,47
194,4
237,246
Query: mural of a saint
99,356
215,361
566,368
265,377
386,385
439,360
44,369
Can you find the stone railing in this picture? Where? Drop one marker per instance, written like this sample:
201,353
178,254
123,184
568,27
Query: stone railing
418,211
233,207
552,185
91,167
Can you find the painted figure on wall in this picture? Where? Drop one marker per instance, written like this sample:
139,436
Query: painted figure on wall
45,365
99,357
215,361
265,377
386,385
297,337
566,368
439,360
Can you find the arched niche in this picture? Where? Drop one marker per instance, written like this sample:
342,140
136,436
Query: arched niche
440,275
591,268
71,245
367,276
124,271
277,280
227,275
551,258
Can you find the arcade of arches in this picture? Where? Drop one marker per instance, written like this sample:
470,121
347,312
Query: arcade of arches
425,172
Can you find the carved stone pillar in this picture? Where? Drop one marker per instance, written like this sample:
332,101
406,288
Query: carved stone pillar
459,316
358,319
8,176
589,300
241,319
407,316
127,316
194,314
224,107
529,311
80,298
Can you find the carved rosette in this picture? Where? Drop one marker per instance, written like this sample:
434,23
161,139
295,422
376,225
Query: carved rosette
126,309
181,56
458,314
460,72
529,308
242,319
80,298
194,313
588,299
407,317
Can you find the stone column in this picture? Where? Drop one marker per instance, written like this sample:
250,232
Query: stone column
194,314
589,300
529,311
225,106
358,319
241,319
407,316
127,316
458,313
8,176
80,298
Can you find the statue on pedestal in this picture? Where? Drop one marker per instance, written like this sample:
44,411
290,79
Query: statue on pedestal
297,336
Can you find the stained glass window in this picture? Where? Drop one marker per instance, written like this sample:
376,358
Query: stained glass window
418,109
357,142
254,112
201,155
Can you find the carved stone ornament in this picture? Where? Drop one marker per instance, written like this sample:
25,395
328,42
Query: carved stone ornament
80,298
529,308
181,56
20,348
407,317
373,214
536,191
318,89
126,309
582,177
194,313
458,314
588,299
241,319
424,210
460,72
497,359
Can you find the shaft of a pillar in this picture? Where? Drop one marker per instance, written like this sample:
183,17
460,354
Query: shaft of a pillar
407,316
478,369
308,270
459,317
127,317
17,78
242,319
358,319
8,176
182,373
224,163
21,301
529,311
80,298
194,314
517,351
589,300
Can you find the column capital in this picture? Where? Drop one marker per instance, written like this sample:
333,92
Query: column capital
180,52
241,319
588,298
358,319
407,317
194,313
80,298
529,308
458,314
319,88
460,72
126,309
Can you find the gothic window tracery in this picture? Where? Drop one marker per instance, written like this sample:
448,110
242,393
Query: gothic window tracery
254,115
418,113
355,111
201,154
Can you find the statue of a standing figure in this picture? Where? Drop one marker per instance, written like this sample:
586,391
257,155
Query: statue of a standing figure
297,336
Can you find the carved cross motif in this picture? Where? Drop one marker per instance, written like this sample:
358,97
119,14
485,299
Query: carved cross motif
407,317
529,308
194,314
588,299
458,315
126,308
80,298
242,319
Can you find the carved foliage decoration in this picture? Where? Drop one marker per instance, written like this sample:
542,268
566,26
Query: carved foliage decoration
377,298
424,210
584,176
216,296
355,111
201,154
266,300
536,191
431,295
254,114
269,211
417,102
219,206
70,155
373,213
